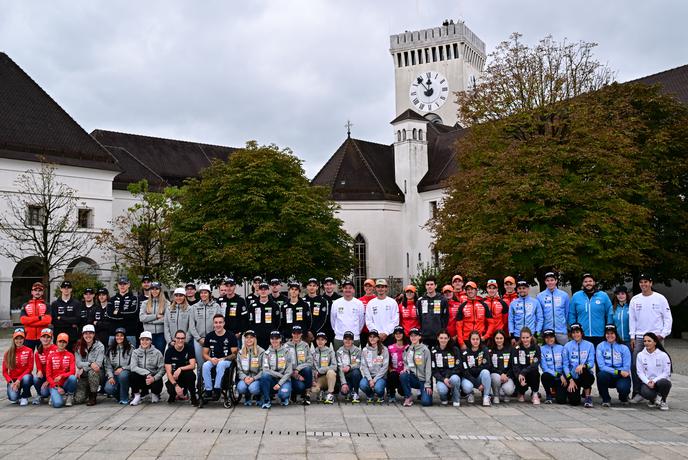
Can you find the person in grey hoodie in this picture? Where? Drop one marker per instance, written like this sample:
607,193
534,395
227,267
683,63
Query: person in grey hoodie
324,367
250,367
147,368
418,370
202,313
349,363
178,317
277,369
117,361
152,315
374,366
90,355
302,362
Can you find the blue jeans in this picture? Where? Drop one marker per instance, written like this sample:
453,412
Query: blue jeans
121,387
248,390
69,389
605,381
300,386
220,369
267,382
455,389
24,388
408,381
37,384
485,380
198,352
159,342
379,387
353,379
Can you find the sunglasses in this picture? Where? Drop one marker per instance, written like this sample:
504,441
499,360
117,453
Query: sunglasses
180,338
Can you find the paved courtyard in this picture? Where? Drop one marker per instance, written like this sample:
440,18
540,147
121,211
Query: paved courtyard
513,430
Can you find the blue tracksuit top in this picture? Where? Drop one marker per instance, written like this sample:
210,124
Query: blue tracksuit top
620,320
576,353
555,310
613,357
592,313
552,359
525,312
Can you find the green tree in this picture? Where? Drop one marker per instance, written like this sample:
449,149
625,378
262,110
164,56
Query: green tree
257,213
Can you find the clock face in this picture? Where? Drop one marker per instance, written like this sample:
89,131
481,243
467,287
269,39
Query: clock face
429,91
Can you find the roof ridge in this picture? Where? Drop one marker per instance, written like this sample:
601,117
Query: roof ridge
163,138
657,73
137,160
370,142
331,161
370,169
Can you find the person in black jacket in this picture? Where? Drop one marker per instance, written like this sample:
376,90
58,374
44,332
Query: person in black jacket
476,369
237,316
330,294
433,312
526,366
320,308
296,312
501,370
66,314
123,311
265,315
98,316
446,369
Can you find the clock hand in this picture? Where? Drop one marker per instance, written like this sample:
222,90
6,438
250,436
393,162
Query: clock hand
420,82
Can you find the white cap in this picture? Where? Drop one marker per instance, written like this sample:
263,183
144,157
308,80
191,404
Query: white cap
204,287
88,328
181,291
146,335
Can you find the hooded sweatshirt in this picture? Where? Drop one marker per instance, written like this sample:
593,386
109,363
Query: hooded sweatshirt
324,360
348,357
277,363
418,361
526,359
474,362
59,364
445,363
374,365
146,361
115,360
250,364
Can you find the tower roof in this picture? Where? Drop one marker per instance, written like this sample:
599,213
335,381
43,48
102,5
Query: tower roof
408,114
673,81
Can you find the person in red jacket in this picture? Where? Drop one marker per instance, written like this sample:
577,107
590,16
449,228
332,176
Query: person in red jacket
35,315
17,366
459,294
40,381
408,314
498,308
60,371
509,290
473,315
448,293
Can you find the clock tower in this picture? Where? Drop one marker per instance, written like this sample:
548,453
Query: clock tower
431,65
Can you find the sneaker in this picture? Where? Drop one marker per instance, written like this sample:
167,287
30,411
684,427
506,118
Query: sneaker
355,399
408,402
216,394
248,402
285,403
505,399
378,400
329,399
69,401
495,400
548,399
521,398
588,402
658,401
470,399
23,402
486,401
606,404
208,395
266,405
306,400
36,401
663,406
444,403
171,399
391,400
536,399
456,404
636,399
136,401
155,398
124,402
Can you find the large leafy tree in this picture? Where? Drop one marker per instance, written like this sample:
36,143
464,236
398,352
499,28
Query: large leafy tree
257,213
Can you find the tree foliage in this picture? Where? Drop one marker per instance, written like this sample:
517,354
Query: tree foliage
257,213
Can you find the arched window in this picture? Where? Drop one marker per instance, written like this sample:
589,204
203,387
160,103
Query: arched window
83,265
420,134
415,134
398,136
403,135
27,272
361,256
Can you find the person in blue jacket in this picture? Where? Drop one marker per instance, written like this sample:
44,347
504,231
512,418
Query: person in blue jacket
614,367
524,311
552,365
555,308
579,364
591,309
619,314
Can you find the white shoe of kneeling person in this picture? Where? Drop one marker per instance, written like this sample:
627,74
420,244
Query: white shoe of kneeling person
136,401
636,399
155,398
486,401
663,405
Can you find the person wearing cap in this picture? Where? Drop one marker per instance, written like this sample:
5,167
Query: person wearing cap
369,294
473,315
266,315
236,312
417,371
433,312
144,293
324,367
396,364
525,311
476,365
35,316
17,368
152,314
319,307
65,314
87,305
555,308
180,363
446,369
191,295
202,322
654,369
458,292
408,314
253,295
382,313
501,368
123,311
177,316
613,367
277,371
60,372
620,314
510,293
374,366
296,312
98,316
330,294
219,352
591,309
526,367
552,364
579,364
117,366
250,368
44,348
278,296
498,308
448,293
349,364
147,366
348,314
648,312
302,365
90,357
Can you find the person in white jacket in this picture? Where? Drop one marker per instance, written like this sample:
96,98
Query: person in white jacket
347,314
382,313
654,371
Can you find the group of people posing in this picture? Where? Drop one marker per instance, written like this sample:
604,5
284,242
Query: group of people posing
452,342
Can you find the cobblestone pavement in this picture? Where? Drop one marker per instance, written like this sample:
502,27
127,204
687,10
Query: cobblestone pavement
513,430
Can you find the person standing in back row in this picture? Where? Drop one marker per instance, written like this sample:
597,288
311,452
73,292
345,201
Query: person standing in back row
65,313
433,312
35,315
555,308
382,314
320,308
347,316
525,311
591,309
123,311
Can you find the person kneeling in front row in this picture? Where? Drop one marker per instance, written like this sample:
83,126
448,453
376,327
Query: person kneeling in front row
250,367
147,369
277,370
180,362
60,369
349,363
324,368
654,371
614,367
579,362
418,370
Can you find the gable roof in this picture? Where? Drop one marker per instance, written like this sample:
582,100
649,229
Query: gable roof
360,171
160,161
33,125
673,81
408,114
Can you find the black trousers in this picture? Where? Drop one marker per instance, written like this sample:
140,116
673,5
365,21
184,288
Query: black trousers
532,382
186,380
393,385
138,385
584,382
554,388
662,387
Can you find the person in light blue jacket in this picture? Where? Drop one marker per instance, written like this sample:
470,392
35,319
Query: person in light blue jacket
579,365
619,314
524,311
591,309
614,367
552,364
555,308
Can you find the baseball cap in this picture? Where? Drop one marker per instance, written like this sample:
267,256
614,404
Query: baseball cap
120,330
457,277
89,290
205,287
156,285
551,275
296,329
313,280
610,328
123,280
369,282
103,291
190,286
399,329
146,335
621,289
180,291
329,279
411,288
374,332
294,284
275,281
62,337
66,284
250,332
146,278
414,330
492,282
263,285
576,326
548,332
38,285
588,275
522,283
510,279
275,334
230,281
88,328
348,283
46,331
19,332
257,279
348,335
381,282
321,335
471,284
447,287
645,276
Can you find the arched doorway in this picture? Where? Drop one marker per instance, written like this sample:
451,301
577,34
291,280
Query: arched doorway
84,265
361,256
27,272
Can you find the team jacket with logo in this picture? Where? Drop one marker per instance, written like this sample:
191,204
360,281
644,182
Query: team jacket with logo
295,314
613,357
473,362
300,354
474,315
202,318
552,359
501,361
277,363
445,363
525,312
123,311
653,366
418,361
408,315
23,364
236,312
454,307
265,317
500,313
433,313
59,364
348,357
250,364
576,353
35,315
65,314
320,313
374,365
555,310
40,358
525,359
175,319
116,359
592,312
324,360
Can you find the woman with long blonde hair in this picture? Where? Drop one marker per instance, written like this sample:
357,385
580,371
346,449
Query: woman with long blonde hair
152,315
177,317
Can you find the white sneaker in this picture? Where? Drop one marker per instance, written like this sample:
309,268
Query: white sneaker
505,399
23,402
658,401
136,401
456,404
355,399
155,398
444,403
495,400
470,399
69,401
663,406
536,399
36,401
486,401
636,399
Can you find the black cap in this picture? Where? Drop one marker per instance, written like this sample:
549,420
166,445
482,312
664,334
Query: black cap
621,289
89,290
321,334
250,332
190,286
374,332
414,330
548,333
522,283
349,335
263,286
123,280
296,329
551,275
399,329
294,284
146,278
329,279
274,334
103,291
66,284
156,285
587,275
645,276
575,326
610,328
348,283
230,281
258,279
120,330
275,281
313,280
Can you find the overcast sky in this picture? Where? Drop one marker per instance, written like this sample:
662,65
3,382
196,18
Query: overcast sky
287,72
